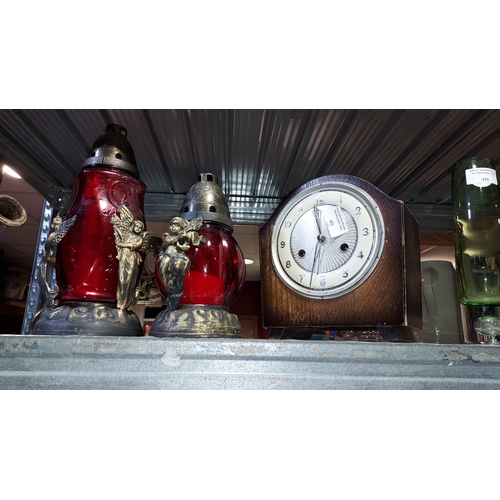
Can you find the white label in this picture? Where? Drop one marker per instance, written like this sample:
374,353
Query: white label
481,177
335,221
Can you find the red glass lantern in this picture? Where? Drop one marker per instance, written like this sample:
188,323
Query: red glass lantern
87,264
216,271
108,199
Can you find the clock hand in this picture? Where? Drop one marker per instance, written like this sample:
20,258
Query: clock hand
319,245
320,221
317,215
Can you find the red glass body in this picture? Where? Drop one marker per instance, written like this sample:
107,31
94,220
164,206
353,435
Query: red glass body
217,272
87,267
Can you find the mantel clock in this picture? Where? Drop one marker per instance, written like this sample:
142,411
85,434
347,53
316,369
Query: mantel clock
340,253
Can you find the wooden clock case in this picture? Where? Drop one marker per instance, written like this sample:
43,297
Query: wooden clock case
390,296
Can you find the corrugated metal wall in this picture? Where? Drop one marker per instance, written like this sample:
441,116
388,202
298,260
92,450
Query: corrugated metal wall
258,155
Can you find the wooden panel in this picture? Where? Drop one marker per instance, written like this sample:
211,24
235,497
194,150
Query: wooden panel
412,271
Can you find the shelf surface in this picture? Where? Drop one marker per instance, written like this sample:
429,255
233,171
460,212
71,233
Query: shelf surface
72,362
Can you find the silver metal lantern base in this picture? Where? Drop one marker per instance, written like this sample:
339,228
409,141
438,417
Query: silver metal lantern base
196,321
87,318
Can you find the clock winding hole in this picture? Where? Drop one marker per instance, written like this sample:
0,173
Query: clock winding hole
344,247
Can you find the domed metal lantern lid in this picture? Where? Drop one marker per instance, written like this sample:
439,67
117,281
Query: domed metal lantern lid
205,199
113,149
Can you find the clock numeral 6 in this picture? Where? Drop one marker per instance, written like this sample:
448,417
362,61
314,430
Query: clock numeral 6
288,264
322,281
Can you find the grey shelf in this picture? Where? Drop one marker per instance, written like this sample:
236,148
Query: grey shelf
70,362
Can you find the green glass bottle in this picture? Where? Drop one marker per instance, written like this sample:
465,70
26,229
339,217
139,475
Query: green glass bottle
476,207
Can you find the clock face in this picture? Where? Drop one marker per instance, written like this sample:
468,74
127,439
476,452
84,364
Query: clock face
327,239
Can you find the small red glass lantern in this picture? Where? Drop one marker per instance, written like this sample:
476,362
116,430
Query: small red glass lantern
200,270
101,245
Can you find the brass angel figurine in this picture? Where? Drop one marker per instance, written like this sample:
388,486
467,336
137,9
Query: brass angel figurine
59,227
173,263
130,240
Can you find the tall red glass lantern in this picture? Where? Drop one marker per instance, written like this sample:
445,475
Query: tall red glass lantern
100,246
201,269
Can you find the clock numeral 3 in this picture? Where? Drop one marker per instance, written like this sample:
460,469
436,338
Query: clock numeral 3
366,231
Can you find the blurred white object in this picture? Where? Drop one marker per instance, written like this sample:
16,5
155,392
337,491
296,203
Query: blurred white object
440,304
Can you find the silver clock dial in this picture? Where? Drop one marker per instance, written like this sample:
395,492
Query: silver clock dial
327,240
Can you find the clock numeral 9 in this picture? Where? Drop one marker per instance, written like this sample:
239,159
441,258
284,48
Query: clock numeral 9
282,244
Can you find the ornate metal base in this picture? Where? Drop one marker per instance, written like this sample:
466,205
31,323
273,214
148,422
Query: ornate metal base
88,318
196,321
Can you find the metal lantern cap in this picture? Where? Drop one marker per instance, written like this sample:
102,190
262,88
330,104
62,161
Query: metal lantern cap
205,199
113,149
